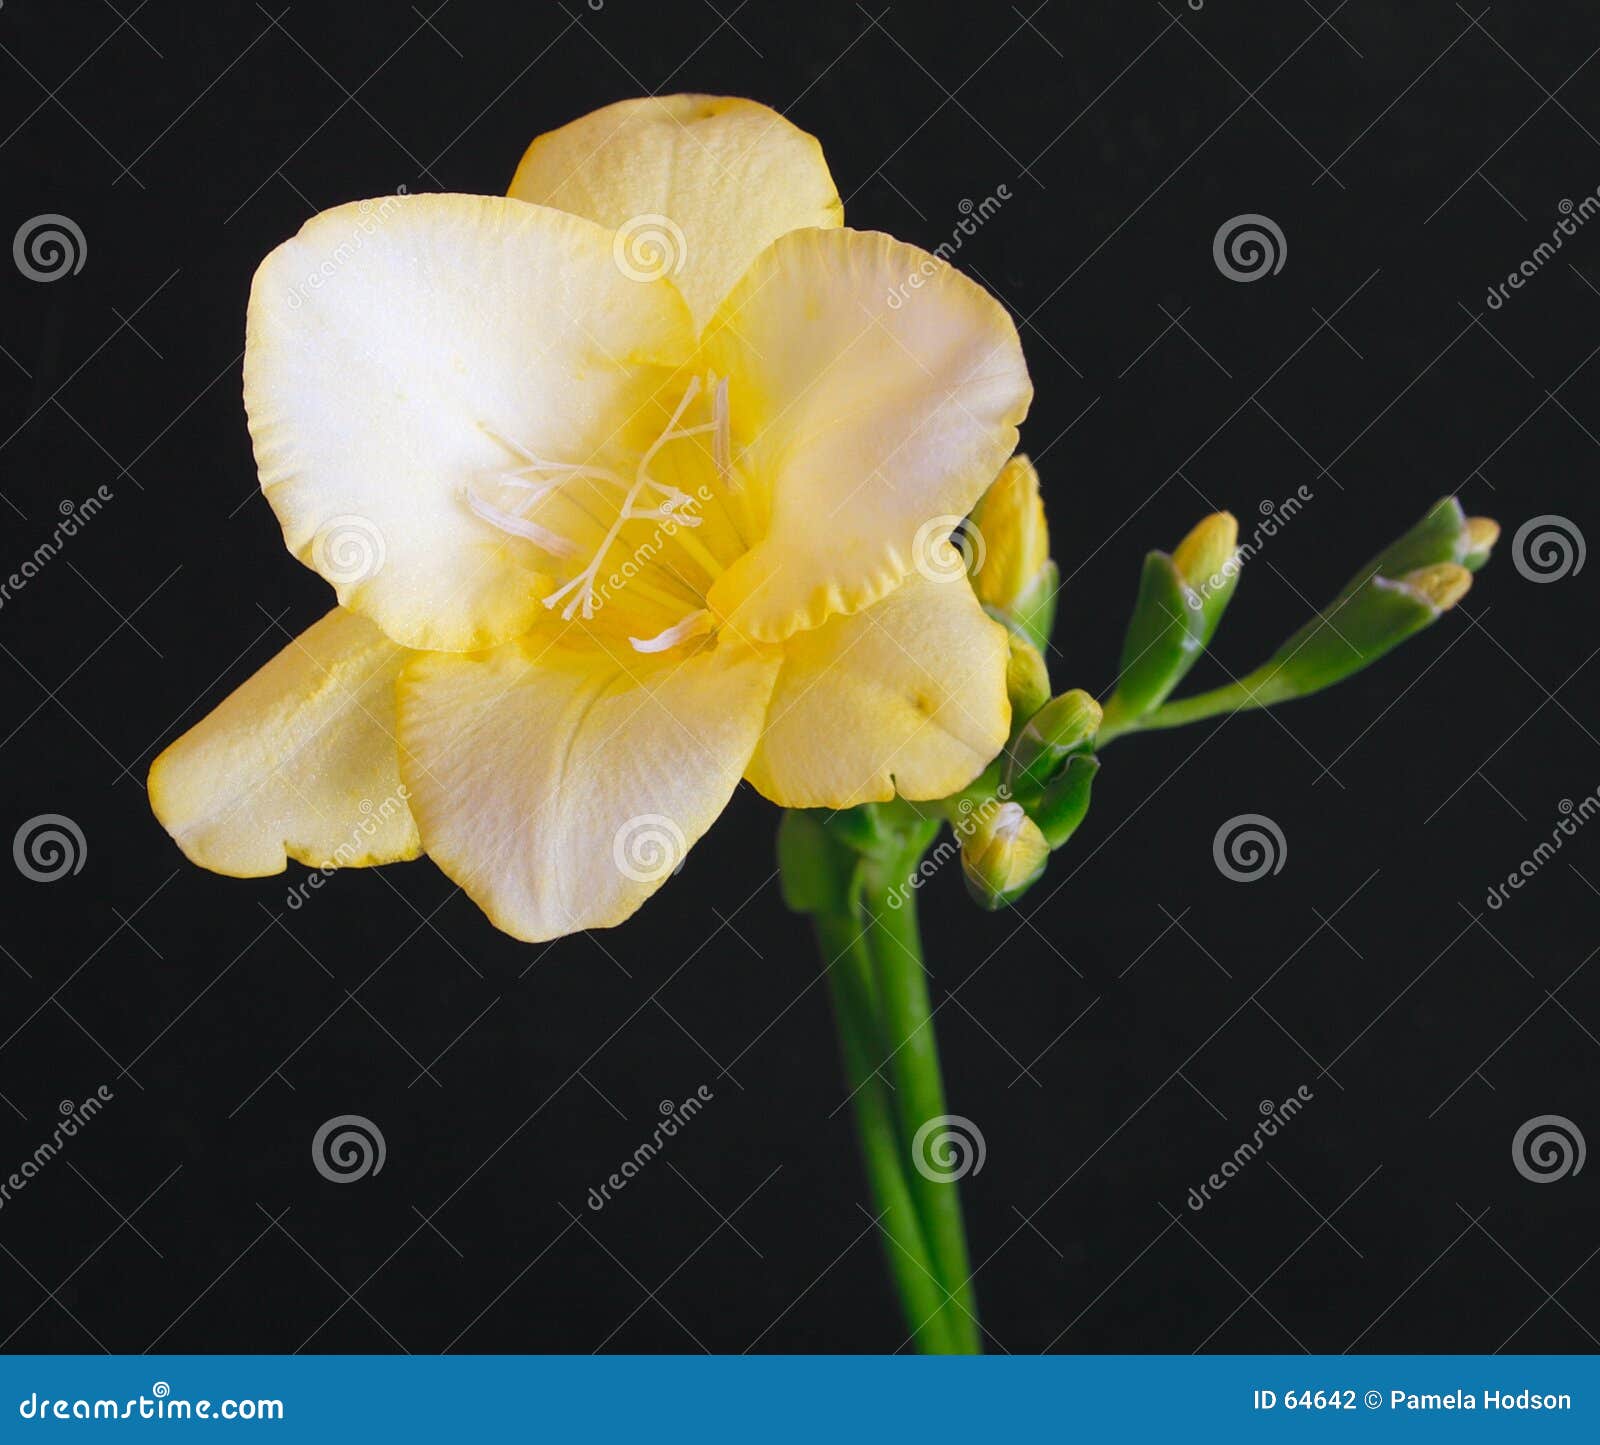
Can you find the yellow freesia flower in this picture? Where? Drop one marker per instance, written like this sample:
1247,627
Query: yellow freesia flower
626,484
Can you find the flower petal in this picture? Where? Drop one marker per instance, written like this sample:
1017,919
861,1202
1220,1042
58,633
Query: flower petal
907,696
696,186
390,345
560,783
875,393
298,762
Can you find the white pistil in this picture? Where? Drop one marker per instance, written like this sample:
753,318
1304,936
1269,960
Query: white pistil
696,624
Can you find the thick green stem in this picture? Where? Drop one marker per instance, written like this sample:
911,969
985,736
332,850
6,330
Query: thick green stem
911,1263
913,1063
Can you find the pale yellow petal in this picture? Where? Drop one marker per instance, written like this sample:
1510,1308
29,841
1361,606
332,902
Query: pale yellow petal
696,186
907,696
875,393
393,347
298,762
560,785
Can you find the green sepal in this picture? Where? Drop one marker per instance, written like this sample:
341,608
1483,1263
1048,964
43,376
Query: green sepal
1345,637
817,875
1063,726
1163,641
1033,614
1440,536
1065,802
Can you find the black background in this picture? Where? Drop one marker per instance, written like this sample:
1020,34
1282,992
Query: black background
1113,1038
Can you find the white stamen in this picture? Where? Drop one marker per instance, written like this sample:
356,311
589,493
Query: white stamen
521,526
694,625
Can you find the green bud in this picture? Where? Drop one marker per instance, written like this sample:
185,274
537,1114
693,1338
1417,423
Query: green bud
1181,599
1015,579
1066,801
1064,726
1357,630
1003,854
1444,534
1027,679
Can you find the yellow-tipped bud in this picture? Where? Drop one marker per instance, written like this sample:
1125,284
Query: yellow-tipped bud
1480,534
1009,519
1002,853
1201,557
1027,679
1442,585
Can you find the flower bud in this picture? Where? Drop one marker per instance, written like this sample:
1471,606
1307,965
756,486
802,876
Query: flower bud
1182,597
1003,854
1027,680
1204,555
1064,726
1356,631
1481,534
1015,579
1442,585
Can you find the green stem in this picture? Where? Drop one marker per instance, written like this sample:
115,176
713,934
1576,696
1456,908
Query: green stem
1256,690
911,1265
913,1062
